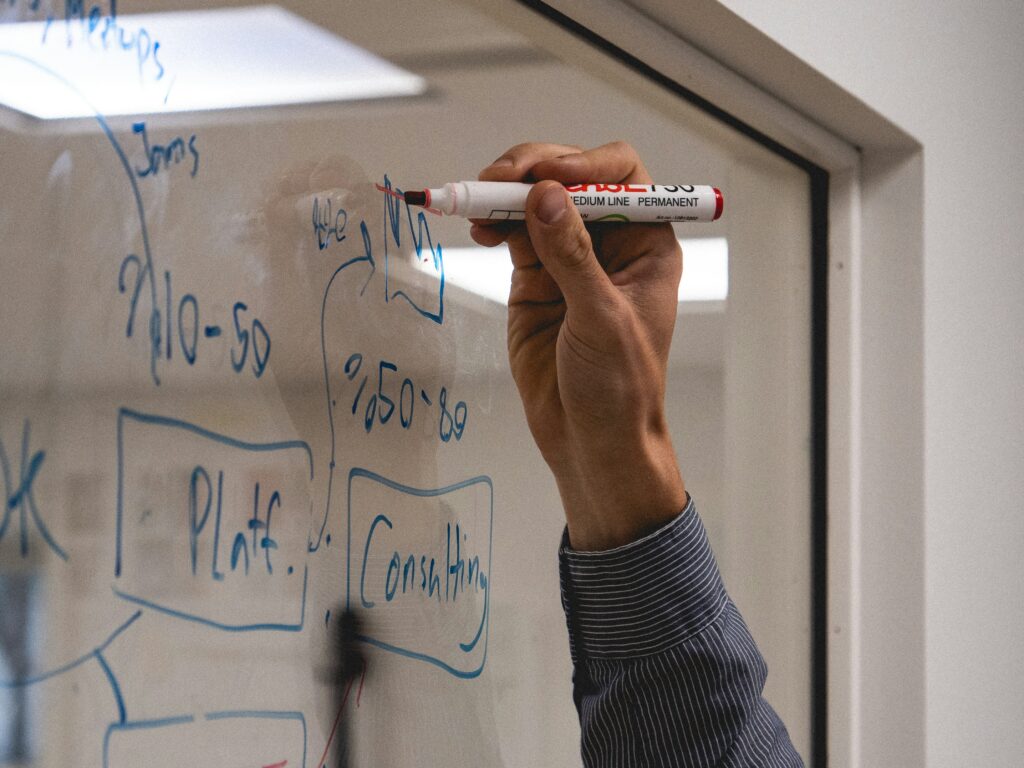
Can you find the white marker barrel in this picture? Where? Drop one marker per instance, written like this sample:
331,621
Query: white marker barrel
506,200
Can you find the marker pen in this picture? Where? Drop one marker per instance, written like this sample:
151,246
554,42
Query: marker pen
506,200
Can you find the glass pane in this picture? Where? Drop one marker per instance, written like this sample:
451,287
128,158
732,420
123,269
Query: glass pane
235,394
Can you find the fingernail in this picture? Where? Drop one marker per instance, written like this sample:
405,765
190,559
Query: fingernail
502,162
552,205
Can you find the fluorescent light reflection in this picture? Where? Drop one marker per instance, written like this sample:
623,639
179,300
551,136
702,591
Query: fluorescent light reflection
186,61
487,272
705,269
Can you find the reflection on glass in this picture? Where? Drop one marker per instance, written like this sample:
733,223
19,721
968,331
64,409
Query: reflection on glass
18,644
487,272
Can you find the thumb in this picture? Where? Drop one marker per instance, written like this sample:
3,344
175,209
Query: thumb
564,247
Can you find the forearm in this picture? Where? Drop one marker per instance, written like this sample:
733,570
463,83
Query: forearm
599,486
666,672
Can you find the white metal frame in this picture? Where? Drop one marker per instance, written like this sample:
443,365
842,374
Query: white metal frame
876,702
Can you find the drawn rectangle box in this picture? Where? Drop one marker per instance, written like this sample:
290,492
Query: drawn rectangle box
256,738
419,568
211,529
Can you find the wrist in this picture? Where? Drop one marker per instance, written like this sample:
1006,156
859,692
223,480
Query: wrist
613,496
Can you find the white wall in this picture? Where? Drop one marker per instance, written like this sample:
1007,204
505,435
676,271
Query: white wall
951,75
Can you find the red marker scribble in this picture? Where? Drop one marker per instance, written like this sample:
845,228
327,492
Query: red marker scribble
337,717
393,193
282,764
334,728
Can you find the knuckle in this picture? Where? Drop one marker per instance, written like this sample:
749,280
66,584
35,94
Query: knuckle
675,261
514,152
626,160
507,166
623,148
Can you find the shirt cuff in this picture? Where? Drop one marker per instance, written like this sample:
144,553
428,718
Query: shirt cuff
644,597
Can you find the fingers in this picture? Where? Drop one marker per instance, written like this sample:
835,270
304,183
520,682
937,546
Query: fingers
563,245
533,285
515,165
569,164
517,162
489,235
514,235
555,236
616,162
613,163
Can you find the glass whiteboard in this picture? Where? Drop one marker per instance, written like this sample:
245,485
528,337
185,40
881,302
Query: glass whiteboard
241,388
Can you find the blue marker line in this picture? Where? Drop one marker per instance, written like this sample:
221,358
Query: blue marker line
483,629
391,216
311,546
393,202
168,94
166,722
117,632
256,714
460,673
122,715
23,498
468,647
71,665
140,208
262,627
420,492
437,317
409,490
144,725
34,465
165,421
139,725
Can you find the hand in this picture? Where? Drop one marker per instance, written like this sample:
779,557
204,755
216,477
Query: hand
590,316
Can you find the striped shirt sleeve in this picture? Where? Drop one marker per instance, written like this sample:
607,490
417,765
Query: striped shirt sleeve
665,671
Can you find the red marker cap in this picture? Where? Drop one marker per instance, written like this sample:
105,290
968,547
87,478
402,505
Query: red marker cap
719,203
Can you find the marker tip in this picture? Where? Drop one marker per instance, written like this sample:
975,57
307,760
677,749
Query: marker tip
416,198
